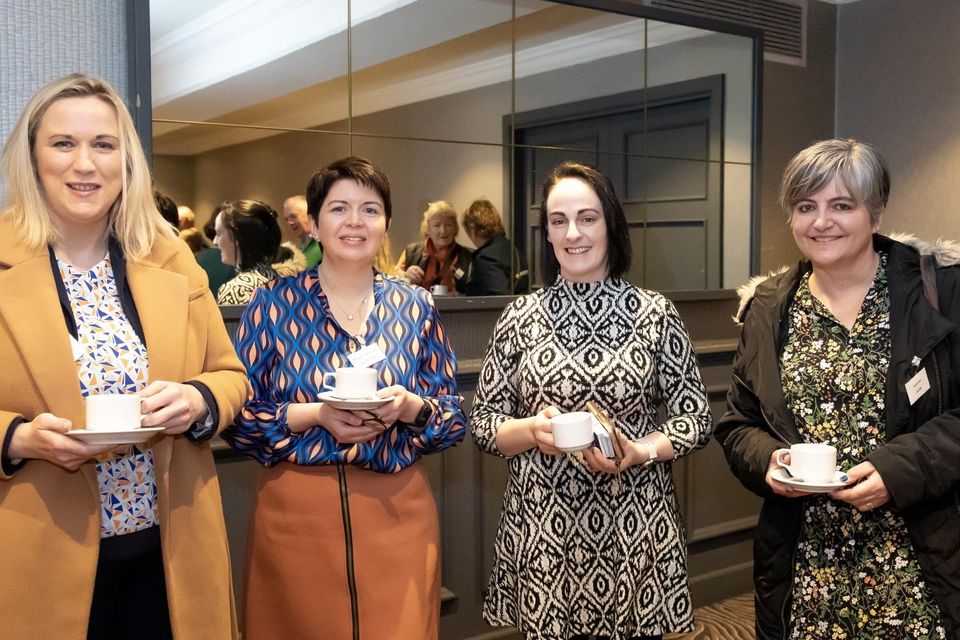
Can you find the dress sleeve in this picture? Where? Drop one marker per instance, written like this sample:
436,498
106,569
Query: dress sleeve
436,381
498,394
689,423
260,429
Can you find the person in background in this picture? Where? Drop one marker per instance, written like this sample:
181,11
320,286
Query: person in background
194,239
295,215
580,552
210,259
495,259
248,236
384,262
437,259
186,218
289,260
99,296
167,208
344,539
847,349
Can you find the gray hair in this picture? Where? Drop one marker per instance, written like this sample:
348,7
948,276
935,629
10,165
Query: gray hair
860,167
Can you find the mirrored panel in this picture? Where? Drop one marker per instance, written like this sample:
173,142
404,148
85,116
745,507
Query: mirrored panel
462,99
434,69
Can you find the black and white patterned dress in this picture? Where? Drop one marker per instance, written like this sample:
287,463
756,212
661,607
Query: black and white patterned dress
575,554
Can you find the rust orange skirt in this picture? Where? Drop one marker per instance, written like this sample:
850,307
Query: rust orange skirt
297,582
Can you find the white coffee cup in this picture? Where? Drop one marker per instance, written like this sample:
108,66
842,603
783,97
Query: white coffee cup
439,290
572,431
352,383
113,412
810,461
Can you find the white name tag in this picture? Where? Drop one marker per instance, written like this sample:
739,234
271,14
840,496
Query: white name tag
917,386
367,356
458,273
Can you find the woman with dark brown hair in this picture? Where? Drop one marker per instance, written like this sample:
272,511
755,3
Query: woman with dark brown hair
496,267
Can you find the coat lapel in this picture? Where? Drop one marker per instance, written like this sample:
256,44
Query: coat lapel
161,298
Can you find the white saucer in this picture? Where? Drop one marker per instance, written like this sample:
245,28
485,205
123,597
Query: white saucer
355,404
127,436
782,475
575,449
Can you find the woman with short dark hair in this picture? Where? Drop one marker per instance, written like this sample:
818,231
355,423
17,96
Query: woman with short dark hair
344,539
495,259
580,552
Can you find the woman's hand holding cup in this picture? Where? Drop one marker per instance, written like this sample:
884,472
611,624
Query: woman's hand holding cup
43,438
542,431
347,427
868,490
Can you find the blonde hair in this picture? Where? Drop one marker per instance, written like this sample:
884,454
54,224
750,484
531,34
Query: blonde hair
440,208
384,262
133,219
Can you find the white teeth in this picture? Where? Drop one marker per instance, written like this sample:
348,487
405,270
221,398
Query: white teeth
578,250
83,187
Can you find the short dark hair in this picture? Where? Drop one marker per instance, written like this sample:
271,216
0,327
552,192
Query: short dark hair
167,208
360,170
255,231
619,250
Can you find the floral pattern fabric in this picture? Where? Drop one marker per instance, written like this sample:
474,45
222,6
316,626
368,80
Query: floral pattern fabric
112,359
855,574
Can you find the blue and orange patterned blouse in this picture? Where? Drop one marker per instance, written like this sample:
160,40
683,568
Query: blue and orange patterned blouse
287,340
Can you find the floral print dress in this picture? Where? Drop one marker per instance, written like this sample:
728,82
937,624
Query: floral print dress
855,574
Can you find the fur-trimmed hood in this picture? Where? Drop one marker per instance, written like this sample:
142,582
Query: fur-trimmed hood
946,253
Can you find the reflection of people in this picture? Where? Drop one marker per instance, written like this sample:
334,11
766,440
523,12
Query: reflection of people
167,208
186,218
96,292
577,552
194,239
491,271
830,352
248,236
359,464
295,215
437,259
209,258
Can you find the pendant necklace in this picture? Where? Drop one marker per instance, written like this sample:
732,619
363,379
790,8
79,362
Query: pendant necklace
350,316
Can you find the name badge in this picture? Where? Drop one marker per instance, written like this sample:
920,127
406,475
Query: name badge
917,386
367,356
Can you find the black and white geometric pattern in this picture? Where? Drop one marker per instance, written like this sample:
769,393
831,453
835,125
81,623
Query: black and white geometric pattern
574,554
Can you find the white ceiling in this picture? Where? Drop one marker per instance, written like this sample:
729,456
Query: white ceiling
283,63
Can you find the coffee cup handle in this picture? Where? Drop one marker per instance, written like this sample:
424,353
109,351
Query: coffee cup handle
778,458
327,385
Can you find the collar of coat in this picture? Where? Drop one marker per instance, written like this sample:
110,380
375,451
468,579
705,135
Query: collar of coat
945,252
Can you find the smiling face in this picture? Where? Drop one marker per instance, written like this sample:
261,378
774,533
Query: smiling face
226,242
77,151
351,223
295,215
830,228
577,230
442,231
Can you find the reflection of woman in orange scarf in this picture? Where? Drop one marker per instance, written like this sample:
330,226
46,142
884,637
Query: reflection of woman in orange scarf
438,259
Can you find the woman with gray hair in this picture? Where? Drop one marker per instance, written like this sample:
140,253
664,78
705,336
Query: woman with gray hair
856,348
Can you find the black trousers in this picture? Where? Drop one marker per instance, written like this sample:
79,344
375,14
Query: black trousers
130,599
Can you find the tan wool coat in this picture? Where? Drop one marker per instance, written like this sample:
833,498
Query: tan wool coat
49,517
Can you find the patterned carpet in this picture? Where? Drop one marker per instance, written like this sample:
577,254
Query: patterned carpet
730,619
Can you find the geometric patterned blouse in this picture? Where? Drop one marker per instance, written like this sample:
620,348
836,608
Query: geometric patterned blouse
112,359
240,288
287,340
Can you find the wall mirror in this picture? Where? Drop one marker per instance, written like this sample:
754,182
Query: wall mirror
466,99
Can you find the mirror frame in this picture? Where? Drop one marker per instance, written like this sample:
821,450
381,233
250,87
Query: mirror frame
139,78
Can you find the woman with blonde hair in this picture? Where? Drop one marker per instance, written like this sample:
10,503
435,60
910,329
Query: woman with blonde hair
437,259
99,296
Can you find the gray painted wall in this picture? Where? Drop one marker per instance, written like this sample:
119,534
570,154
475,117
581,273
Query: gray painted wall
798,108
897,87
41,40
